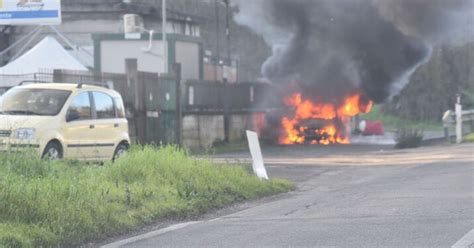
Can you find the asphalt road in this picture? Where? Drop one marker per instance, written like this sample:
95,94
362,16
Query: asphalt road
348,196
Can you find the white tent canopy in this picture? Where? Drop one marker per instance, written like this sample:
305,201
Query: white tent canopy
46,56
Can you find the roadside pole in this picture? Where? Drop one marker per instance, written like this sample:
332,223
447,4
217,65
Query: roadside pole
458,120
178,114
165,41
226,78
226,111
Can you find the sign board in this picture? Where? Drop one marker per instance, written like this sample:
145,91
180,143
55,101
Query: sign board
256,152
30,12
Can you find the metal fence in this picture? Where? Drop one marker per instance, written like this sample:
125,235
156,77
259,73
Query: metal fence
211,96
151,101
13,80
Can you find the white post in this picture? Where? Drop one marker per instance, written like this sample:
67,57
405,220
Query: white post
165,47
458,120
256,152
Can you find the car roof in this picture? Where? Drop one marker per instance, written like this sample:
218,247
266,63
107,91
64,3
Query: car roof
70,87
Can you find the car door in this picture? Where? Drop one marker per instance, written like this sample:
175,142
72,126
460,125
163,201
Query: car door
105,124
78,132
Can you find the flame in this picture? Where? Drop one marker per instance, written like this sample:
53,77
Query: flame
335,119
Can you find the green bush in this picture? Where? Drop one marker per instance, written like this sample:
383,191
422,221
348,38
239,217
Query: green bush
66,203
408,138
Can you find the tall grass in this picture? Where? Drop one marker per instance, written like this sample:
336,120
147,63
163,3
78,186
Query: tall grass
66,203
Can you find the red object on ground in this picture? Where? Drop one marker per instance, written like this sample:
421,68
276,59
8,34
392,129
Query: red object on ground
373,128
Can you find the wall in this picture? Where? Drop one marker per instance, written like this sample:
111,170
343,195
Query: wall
202,131
113,49
114,53
188,55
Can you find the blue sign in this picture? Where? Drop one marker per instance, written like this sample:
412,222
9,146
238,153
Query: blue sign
30,12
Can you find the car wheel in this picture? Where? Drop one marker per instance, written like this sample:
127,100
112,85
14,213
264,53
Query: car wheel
53,151
120,151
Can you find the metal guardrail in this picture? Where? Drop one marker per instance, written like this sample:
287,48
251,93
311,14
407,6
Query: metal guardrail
450,118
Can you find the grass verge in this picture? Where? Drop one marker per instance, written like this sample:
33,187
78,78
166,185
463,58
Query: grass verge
67,203
468,138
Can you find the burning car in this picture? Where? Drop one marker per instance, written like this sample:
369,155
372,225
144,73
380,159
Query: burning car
315,131
313,122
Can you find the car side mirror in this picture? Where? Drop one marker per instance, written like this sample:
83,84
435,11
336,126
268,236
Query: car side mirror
72,115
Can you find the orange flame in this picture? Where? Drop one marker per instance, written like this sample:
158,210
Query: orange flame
336,116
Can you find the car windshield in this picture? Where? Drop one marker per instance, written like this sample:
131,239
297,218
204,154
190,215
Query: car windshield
23,101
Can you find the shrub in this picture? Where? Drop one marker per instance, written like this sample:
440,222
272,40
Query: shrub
408,138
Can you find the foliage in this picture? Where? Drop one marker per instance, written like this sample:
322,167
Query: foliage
408,138
394,122
67,203
433,88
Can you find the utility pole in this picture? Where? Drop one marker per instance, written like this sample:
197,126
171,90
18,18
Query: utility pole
218,53
227,32
226,78
165,45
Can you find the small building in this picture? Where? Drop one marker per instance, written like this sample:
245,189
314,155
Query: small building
111,51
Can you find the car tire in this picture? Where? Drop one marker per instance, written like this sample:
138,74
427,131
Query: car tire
53,151
119,151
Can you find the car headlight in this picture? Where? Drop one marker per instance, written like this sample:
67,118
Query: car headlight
25,133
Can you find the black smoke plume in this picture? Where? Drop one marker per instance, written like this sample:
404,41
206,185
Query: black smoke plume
327,49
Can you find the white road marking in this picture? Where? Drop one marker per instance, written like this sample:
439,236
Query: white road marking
150,235
465,242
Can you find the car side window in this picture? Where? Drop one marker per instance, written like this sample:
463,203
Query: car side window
81,107
104,106
119,107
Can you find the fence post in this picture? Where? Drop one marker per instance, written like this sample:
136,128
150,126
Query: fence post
57,76
178,113
458,120
446,123
226,111
139,113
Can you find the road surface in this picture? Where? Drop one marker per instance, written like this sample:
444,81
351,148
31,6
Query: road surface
347,196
